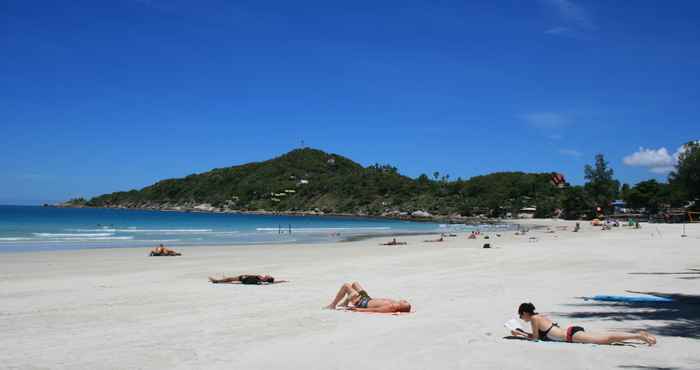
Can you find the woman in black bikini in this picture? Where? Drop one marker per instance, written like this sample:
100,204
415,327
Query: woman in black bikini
545,330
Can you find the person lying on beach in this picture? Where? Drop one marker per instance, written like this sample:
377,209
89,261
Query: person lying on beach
546,330
394,242
163,251
356,295
441,239
247,280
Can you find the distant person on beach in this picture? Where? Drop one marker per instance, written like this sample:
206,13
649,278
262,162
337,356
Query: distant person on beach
546,330
394,242
441,239
356,295
247,280
161,250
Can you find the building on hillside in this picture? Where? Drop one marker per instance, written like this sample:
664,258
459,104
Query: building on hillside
527,212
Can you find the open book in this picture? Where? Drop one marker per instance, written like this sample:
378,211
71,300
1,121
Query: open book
517,325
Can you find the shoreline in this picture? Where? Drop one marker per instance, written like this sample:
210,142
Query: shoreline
433,218
123,239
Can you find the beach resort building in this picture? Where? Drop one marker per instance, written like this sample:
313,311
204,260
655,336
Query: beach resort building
527,212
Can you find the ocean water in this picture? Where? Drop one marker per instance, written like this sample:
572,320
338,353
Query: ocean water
26,228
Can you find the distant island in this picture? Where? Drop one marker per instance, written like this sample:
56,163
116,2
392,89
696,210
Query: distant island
310,181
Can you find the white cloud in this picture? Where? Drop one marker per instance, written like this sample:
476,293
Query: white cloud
575,19
649,158
571,153
662,170
659,161
546,120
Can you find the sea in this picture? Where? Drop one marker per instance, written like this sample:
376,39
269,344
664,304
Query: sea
33,228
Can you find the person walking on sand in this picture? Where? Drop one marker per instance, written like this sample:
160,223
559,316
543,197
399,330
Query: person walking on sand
546,330
356,295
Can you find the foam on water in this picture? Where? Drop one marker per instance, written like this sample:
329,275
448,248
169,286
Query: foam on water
64,235
91,238
185,231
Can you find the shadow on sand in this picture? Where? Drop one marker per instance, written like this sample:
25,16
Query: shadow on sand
680,318
695,274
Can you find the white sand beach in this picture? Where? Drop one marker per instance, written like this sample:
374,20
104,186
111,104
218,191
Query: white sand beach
119,309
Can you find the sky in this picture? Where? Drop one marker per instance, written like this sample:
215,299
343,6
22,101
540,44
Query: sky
101,96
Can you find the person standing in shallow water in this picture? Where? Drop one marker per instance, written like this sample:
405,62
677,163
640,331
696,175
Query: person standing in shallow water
546,330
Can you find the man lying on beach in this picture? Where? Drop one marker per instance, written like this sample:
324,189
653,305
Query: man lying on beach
394,242
361,301
163,251
247,280
546,330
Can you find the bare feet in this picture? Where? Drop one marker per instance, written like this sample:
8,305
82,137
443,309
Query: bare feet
329,307
648,338
212,280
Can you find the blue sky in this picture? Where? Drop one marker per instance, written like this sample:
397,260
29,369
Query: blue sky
103,96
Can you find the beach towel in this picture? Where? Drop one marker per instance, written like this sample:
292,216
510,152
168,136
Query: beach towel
347,309
629,299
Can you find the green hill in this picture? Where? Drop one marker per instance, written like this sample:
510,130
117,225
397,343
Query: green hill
312,180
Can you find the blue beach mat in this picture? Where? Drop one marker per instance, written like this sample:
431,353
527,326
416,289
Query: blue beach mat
629,299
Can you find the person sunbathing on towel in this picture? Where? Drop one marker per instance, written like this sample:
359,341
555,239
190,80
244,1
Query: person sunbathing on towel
545,330
394,242
247,280
361,301
163,251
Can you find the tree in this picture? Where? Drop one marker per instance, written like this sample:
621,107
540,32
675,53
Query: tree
624,191
686,177
576,203
601,187
648,194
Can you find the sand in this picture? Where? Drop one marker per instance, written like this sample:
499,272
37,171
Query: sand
118,309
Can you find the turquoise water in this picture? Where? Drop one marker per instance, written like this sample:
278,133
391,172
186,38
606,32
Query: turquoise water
25,228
